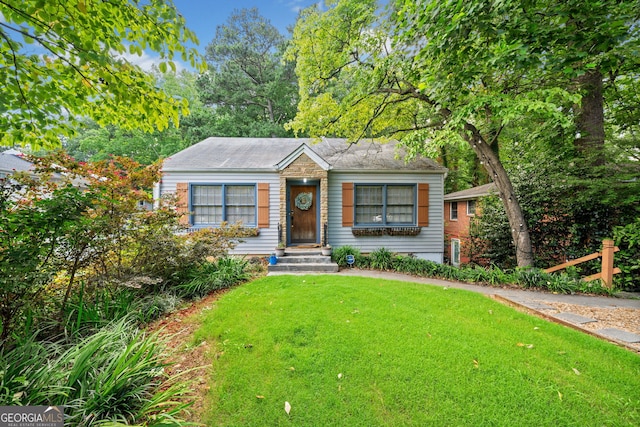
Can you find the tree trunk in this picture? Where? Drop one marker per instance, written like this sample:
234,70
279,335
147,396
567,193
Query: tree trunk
491,162
590,118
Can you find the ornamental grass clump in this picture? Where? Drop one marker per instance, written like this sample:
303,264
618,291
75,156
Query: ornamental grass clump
117,374
211,276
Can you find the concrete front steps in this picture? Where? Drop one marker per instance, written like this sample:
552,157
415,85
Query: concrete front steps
304,262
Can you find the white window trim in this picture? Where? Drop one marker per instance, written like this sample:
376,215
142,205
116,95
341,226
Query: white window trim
469,213
455,262
451,211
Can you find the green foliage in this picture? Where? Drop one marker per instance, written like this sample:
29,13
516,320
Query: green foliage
248,84
211,276
567,214
489,237
113,375
35,225
434,74
627,238
81,69
381,259
94,142
56,236
339,255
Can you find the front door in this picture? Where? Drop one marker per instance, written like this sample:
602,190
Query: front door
303,214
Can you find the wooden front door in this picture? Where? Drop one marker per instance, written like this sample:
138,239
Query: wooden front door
303,214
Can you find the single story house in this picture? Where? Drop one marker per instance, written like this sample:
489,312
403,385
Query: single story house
459,209
311,192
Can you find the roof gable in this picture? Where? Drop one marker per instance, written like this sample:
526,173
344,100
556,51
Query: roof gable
295,154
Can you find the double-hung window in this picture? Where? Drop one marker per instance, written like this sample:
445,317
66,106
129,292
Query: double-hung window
471,207
387,204
211,204
453,211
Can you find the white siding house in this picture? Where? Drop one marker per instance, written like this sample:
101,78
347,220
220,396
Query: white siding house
311,192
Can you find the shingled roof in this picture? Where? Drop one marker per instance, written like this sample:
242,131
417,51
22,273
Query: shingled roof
472,193
268,154
11,161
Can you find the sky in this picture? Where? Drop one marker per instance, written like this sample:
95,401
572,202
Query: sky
203,16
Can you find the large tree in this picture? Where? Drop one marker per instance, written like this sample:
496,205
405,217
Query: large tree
357,82
64,60
437,72
247,79
93,142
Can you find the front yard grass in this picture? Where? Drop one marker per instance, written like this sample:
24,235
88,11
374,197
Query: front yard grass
357,351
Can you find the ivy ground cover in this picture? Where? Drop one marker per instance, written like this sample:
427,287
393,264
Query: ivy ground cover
327,350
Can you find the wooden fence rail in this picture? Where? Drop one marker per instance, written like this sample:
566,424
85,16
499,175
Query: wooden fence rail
607,271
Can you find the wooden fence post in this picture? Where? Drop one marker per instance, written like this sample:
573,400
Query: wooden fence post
607,262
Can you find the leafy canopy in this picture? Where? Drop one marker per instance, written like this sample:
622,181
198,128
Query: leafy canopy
247,79
61,60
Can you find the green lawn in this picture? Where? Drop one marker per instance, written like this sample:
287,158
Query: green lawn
357,351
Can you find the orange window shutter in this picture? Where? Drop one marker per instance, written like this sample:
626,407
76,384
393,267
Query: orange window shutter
347,204
263,205
182,203
423,205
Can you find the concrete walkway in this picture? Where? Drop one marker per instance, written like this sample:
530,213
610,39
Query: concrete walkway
534,303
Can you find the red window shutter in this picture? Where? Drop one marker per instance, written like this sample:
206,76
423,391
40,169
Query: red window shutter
347,204
182,202
423,205
263,205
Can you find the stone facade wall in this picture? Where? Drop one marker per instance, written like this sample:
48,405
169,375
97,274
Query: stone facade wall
304,167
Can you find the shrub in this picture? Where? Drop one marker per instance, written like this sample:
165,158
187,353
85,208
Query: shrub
493,275
114,375
211,276
75,256
381,259
340,255
528,277
627,238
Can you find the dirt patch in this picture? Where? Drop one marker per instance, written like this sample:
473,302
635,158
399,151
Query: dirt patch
192,362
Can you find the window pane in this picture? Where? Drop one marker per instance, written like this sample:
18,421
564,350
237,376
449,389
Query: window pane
207,215
368,214
240,195
368,195
368,204
471,207
400,195
400,214
207,195
454,210
400,204
241,204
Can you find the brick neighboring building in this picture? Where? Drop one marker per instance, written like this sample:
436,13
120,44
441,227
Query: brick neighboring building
459,209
